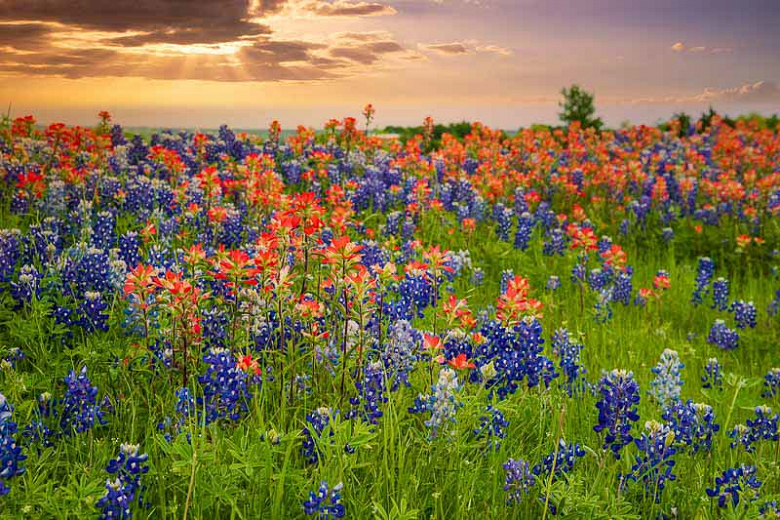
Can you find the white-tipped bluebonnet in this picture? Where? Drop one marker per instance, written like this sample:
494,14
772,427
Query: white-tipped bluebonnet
771,383
744,314
704,275
568,352
11,456
125,489
554,243
442,403
225,392
371,394
553,283
617,409
519,480
560,461
326,503
492,427
720,294
762,427
667,234
713,375
653,467
80,410
667,384
399,355
723,337
525,227
693,425
736,484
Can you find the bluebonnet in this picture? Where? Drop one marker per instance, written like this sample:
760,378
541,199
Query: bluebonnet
325,503
519,480
704,275
13,356
225,392
80,410
11,456
371,394
554,243
442,403
713,375
769,510
503,218
667,234
667,383
10,252
553,283
28,285
91,309
125,489
492,427
722,336
720,294
654,465
525,227
734,484
623,286
562,459
185,409
617,409
571,368
507,275
603,311
762,427
744,314
318,421
693,425
399,355
772,309
771,383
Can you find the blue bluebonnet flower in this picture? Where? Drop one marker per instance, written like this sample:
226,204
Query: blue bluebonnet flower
722,336
693,425
720,294
772,309
667,234
744,314
771,383
507,275
491,427
736,484
713,375
80,410
769,510
519,480
125,489
554,243
371,394
442,403
478,276
654,465
91,310
185,409
569,353
325,503
12,357
603,311
562,459
10,252
617,409
27,286
553,283
762,427
623,286
667,383
11,456
225,391
503,218
525,227
703,278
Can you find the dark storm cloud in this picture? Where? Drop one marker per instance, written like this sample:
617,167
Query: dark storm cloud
162,21
24,36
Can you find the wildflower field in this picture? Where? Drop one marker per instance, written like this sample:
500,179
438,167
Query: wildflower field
561,323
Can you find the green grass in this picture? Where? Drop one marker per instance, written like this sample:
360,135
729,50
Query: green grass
254,469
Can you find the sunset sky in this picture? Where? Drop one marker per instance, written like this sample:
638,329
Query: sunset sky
503,62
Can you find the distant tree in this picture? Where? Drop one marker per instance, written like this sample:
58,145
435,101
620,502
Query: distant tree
578,106
705,121
685,123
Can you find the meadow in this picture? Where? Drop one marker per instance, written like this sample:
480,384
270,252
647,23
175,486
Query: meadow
557,323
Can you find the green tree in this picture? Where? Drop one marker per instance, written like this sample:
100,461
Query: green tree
578,106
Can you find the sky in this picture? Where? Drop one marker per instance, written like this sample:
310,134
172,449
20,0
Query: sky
202,63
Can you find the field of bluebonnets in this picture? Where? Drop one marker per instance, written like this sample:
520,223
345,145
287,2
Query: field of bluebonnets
558,323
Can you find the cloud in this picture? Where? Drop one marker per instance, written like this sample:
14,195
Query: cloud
343,8
446,48
464,47
759,92
681,47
